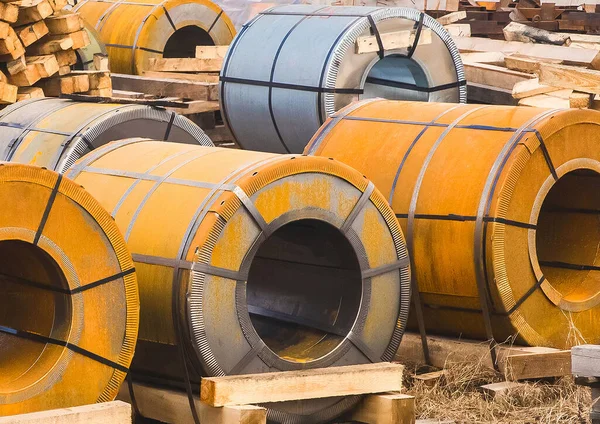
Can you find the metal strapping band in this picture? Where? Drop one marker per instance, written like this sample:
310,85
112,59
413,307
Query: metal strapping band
362,347
415,87
134,403
169,126
358,207
122,46
96,154
470,218
102,19
546,155
215,21
373,272
250,207
419,28
298,87
41,130
525,296
219,272
258,347
567,265
162,261
49,340
53,194
375,32
170,20
70,292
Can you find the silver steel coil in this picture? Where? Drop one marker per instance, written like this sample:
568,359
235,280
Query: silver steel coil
292,66
54,133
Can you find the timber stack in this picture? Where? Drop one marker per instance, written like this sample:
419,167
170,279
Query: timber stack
38,43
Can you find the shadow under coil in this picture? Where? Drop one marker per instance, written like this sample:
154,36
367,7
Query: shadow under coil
251,262
494,200
69,306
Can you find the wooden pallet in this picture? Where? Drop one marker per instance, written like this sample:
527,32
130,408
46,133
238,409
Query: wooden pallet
232,399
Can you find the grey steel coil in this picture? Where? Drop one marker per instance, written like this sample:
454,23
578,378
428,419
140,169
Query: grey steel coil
54,133
292,66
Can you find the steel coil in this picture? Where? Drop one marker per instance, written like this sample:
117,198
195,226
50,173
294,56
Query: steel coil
69,306
291,67
251,262
136,30
54,133
499,206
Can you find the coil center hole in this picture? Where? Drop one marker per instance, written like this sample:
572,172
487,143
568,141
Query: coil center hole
27,303
183,42
568,236
396,78
304,290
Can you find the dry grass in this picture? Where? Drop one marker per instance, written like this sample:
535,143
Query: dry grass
456,396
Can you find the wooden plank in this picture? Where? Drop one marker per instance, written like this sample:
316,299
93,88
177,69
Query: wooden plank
585,57
26,78
186,64
391,40
47,46
525,64
531,88
100,413
166,87
493,58
17,65
450,18
98,79
585,361
211,52
496,76
388,408
538,365
172,406
66,58
8,93
101,62
304,384
497,389
585,80
29,34
24,93
429,379
40,9
64,24
11,45
197,106
458,30
46,65
528,34
9,12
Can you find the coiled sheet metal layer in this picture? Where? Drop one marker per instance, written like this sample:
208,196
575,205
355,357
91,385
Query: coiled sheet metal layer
54,133
252,262
136,30
69,307
291,67
500,208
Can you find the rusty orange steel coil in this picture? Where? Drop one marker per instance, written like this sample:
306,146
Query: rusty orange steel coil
136,30
69,307
252,262
500,208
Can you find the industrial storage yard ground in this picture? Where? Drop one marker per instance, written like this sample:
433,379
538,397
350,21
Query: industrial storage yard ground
399,222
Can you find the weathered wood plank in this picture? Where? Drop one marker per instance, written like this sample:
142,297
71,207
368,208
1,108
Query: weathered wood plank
391,41
388,408
101,413
586,80
585,360
166,87
538,365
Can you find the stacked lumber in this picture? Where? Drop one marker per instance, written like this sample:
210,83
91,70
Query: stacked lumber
205,67
38,40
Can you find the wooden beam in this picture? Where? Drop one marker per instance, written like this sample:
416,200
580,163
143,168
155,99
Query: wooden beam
450,18
391,40
388,408
429,379
496,76
166,87
538,365
304,384
585,361
585,57
586,80
186,64
531,88
486,94
492,58
101,413
528,34
171,406
211,52
458,30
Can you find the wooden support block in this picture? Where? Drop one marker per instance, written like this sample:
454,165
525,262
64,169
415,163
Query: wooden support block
579,100
391,40
40,9
450,18
100,413
538,365
24,93
528,34
205,77
29,34
66,57
68,84
531,88
584,57
585,361
64,24
165,87
496,76
11,45
128,94
304,384
8,93
186,64
497,389
172,406
57,5
17,65
197,106
47,46
430,379
211,52
26,78
4,29
100,92
46,65
9,12
80,39
98,79
492,58
387,408
15,54
458,30
585,80
64,70
101,62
